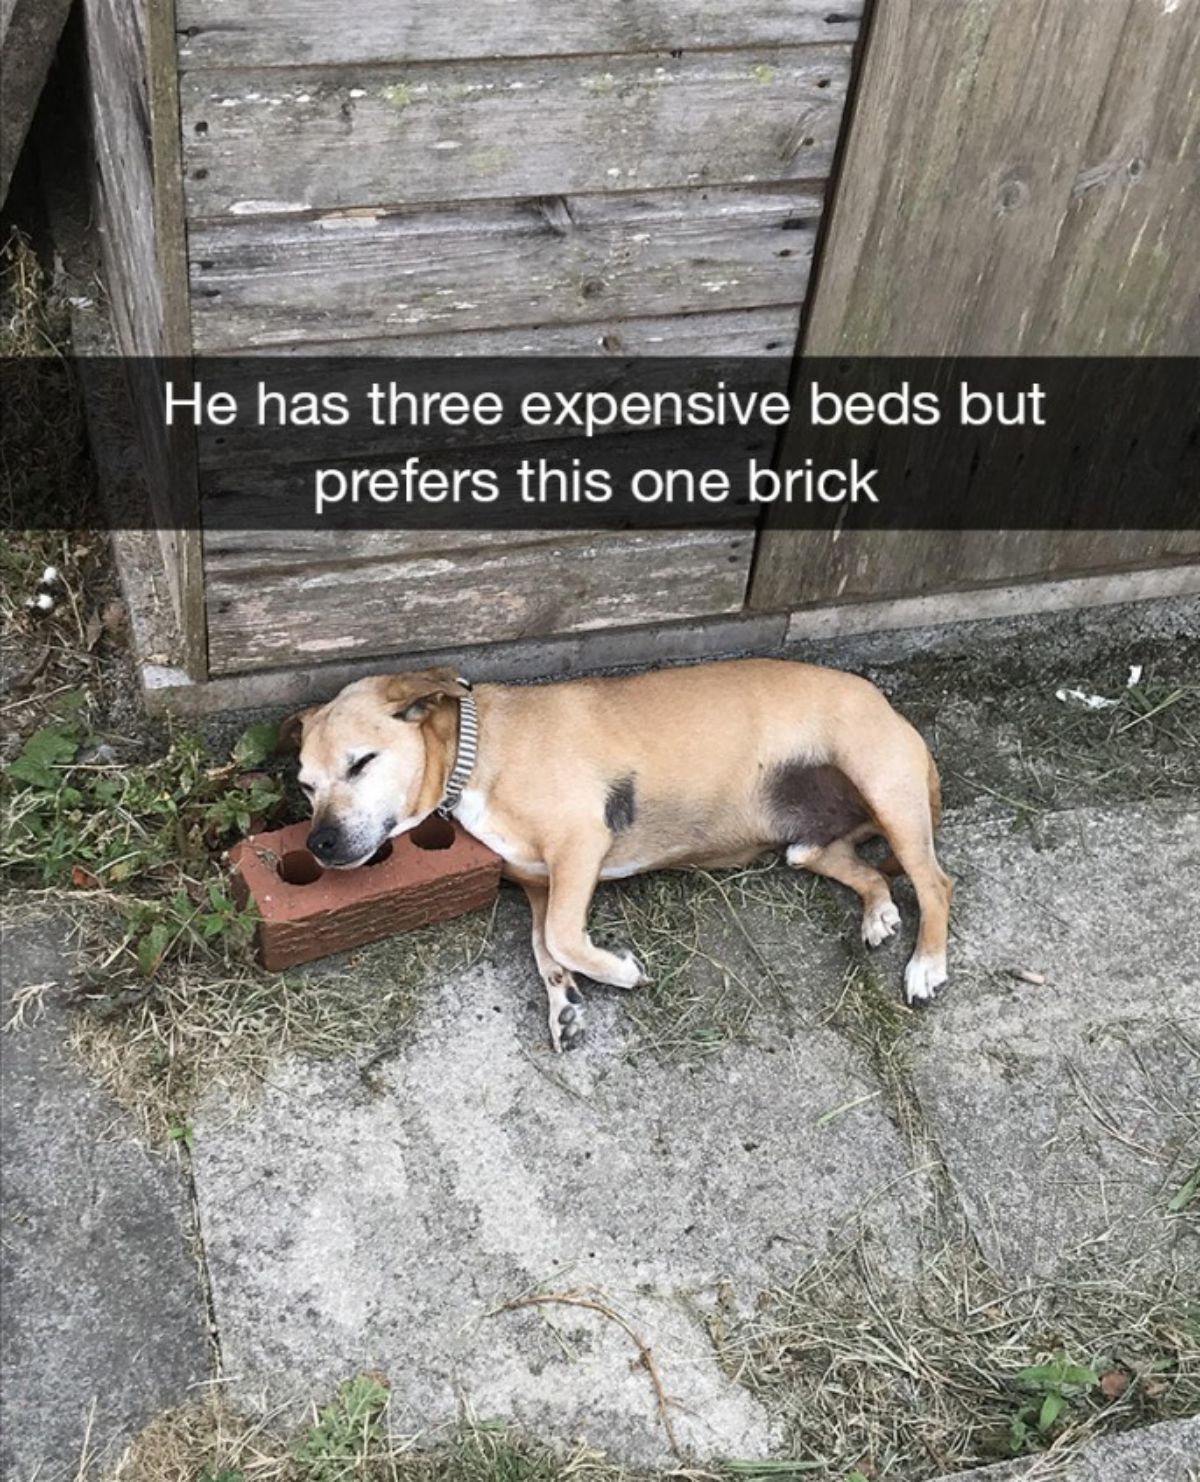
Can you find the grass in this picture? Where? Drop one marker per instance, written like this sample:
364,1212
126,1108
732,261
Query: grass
707,940
1002,734
352,1437
872,1016
872,1377
906,1382
726,953
43,450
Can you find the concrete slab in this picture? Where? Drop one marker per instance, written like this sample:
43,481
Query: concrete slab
1169,1452
385,1222
1069,1111
102,1305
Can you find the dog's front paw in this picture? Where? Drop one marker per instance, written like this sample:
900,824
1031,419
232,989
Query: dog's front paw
923,977
566,1013
880,922
632,973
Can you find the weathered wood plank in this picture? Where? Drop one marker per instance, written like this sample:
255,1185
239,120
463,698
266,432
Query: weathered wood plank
1123,277
770,331
491,265
134,119
299,140
243,555
1004,132
482,589
120,119
272,33
181,538
1053,165
29,33
170,229
869,565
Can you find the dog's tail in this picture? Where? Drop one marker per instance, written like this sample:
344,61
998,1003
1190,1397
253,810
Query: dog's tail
891,866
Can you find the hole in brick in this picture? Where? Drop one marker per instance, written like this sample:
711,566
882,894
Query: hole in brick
434,833
299,868
383,852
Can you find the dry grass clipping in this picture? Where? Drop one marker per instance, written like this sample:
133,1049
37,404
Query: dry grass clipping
209,1441
911,1382
205,1025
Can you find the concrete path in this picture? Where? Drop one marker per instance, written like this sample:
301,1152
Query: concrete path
386,1224
385,1227
103,1310
1067,1110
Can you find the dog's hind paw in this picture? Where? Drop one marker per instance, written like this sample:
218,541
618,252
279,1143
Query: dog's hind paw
923,977
879,923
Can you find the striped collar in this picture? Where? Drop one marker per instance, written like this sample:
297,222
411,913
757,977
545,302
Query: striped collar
464,762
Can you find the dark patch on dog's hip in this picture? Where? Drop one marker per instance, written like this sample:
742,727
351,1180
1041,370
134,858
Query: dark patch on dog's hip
813,805
620,806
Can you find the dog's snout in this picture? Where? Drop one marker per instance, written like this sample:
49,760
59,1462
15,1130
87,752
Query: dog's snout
323,841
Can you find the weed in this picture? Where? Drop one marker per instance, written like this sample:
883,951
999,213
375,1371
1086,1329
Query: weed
170,1002
146,836
346,1434
1056,1390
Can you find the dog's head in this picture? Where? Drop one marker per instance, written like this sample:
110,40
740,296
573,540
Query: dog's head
373,760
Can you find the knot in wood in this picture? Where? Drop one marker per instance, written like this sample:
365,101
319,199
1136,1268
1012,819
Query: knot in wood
1012,195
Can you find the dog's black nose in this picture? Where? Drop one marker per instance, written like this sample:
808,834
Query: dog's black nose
323,841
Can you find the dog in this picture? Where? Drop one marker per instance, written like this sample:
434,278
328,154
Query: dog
598,779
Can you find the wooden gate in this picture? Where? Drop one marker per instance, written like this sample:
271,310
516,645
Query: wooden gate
1021,177
601,177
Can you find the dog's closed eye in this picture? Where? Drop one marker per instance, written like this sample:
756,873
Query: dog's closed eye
356,767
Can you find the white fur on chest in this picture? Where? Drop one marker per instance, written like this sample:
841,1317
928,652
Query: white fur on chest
472,813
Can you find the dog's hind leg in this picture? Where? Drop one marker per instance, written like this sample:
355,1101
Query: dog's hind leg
902,796
573,876
909,830
840,861
565,999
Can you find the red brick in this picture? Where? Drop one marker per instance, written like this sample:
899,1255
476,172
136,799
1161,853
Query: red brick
341,909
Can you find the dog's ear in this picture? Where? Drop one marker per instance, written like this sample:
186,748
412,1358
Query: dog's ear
291,730
414,696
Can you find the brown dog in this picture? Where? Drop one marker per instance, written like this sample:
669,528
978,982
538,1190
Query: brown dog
597,779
